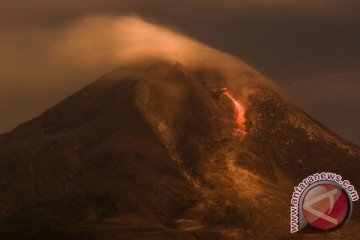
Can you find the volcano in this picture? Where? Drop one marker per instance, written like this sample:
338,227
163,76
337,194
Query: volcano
161,149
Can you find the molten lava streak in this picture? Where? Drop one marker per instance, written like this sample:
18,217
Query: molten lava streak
239,114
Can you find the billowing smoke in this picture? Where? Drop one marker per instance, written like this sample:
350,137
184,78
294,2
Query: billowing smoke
41,66
131,39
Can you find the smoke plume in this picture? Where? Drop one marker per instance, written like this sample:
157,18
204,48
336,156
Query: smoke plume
41,66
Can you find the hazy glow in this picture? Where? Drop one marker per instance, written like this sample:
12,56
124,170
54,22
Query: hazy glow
63,60
135,39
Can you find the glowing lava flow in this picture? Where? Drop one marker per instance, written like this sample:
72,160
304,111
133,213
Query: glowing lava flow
239,115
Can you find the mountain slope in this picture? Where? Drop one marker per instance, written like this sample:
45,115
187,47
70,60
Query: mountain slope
166,151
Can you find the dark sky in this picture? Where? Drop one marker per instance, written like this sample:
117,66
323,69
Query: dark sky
312,47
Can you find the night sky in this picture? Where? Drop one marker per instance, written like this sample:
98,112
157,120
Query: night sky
311,47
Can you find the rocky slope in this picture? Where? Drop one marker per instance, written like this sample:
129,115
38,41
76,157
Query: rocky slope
165,151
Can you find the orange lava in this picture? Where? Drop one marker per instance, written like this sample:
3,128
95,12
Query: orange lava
239,115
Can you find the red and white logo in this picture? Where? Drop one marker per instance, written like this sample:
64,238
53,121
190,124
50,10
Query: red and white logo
321,201
325,206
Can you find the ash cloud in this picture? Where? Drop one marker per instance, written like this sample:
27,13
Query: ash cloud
43,65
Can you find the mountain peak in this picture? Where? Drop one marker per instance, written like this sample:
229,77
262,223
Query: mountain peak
174,147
